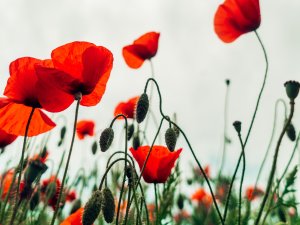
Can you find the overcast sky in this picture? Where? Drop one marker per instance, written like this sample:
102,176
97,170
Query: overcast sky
191,64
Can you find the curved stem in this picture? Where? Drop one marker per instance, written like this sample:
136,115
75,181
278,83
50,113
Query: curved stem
271,176
67,165
20,168
242,179
271,139
261,90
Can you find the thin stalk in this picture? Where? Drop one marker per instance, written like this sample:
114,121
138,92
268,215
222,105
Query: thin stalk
20,168
225,130
271,139
156,205
271,176
67,165
242,179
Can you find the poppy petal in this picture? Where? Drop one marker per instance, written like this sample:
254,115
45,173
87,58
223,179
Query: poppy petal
97,62
21,85
74,219
68,58
14,118
6,139
150,40
127,108
135,55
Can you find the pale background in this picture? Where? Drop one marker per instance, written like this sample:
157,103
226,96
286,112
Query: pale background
191,66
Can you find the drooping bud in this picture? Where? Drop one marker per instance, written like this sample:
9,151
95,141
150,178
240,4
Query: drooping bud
292,89
136,142
92,208
106,139
237,126
227,81
108,206
94,147
170,139
142,108
130,174
35,199
291,132
76,205
130,131
35,168
62,135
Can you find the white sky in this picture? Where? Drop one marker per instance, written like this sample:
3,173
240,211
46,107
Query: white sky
191,64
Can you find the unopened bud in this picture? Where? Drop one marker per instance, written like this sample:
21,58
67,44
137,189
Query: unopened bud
170,139
92,208
106,139
108,206
292,89
237,126
142,108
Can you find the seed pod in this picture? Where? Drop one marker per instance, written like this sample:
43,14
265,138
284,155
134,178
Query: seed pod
292,89
291,132
136,142
34,169
92,208
142,108
180,201
75,206
35,199
130,131
108,206
237,126
94,147
170,139
106,139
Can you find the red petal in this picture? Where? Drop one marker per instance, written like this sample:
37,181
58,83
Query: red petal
6,139
126,108
236,17
135,55
14,117
85,127
68,58
74,219
150,41
21,85
97,62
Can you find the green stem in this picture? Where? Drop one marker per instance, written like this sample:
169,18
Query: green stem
67,165
20,168
156,204
242,179
271,176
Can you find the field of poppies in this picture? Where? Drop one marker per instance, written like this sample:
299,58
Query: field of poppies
142,181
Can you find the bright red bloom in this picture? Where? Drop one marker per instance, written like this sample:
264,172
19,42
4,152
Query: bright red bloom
6,139
252,193
145,47
84,128
74,219
77,67
160,162
23,94
202,197
236,17
127,108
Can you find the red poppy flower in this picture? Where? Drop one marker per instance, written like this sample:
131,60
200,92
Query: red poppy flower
252,193
23,94
145,47
6,139
74,219
84,128
160,162
202,197
76,67
236,17
127,108
45,185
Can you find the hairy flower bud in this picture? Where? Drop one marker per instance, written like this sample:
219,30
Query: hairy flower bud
108,206
291,132
170,139
292,89
142,108
106,138
130,131
94,147
92,208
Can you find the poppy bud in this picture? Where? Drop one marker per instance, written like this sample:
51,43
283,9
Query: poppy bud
108,206
180,201
292,89
106,139
227,81
142,108
35,199
237,126
130,174
34,169
170,139
136,142
94,147
130,131
62,135
76,205
177,131
92,208
291,133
